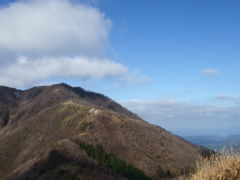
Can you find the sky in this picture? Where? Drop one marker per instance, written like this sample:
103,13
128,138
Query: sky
175,63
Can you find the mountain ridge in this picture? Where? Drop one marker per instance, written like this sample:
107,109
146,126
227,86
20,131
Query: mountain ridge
40,117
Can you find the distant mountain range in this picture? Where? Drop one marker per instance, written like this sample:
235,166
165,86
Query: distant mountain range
63,132
215,142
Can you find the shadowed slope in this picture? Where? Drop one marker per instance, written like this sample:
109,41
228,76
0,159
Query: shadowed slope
65,161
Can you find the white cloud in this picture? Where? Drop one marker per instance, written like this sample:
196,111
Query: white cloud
228,98
209,71
53,27
133,78
223,97
42,39
188,119
26,71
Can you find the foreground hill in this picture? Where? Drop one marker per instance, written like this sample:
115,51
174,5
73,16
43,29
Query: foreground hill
50,125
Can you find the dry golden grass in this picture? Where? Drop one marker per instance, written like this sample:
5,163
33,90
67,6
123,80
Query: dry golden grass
223,166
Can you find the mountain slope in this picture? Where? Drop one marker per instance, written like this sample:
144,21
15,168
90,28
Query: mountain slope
64,162
35,120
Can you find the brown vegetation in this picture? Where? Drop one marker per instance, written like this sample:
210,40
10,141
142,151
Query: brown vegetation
65,161
221,166
42,116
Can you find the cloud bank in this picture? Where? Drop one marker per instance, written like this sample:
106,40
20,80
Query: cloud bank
27,71
188,119
41,39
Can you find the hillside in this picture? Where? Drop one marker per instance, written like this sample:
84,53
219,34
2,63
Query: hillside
60,118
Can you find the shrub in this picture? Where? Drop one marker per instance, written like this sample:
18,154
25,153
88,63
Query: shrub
110,161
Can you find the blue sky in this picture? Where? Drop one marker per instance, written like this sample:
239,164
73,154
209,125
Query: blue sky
175,63
172,41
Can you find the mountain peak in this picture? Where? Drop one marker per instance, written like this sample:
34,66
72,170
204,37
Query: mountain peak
37,119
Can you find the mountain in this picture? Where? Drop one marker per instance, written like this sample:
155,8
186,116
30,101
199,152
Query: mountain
64,132
215,142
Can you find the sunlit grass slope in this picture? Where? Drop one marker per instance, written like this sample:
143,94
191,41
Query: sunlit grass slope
223,166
